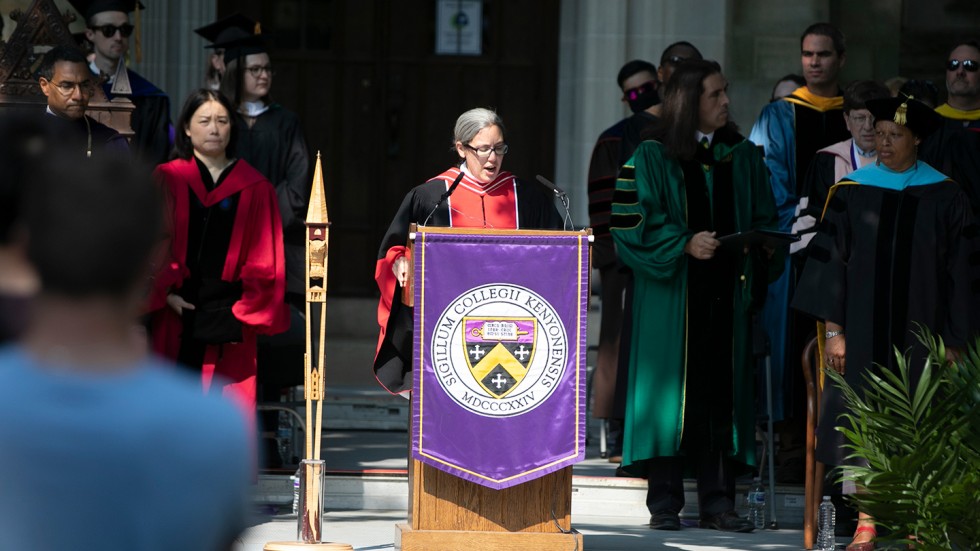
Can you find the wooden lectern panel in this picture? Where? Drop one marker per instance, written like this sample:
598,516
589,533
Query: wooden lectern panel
441,501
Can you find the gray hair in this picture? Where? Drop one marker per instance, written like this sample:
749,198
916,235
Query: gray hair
469,124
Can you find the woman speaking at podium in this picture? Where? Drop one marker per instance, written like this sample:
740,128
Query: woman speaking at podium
477,193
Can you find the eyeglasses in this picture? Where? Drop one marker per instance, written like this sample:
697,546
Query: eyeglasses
674,60
257,70
67,88
109,31
483,151
969,65
861,120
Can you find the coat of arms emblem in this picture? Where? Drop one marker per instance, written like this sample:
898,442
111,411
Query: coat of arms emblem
499,351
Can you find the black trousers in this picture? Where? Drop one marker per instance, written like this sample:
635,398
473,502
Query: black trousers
715,477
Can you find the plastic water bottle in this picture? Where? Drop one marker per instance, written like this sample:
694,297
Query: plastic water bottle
826,540
284,435
757,504
285,443
295,481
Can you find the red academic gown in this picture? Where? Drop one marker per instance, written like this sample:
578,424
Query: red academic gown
255,258
503,203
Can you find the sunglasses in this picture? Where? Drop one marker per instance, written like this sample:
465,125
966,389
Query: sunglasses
109,31
675,59
634,93
969,65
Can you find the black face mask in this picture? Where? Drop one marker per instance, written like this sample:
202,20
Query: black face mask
643,96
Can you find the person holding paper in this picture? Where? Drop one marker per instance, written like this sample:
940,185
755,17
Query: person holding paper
690,402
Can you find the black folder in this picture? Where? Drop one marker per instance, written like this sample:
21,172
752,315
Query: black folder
766,238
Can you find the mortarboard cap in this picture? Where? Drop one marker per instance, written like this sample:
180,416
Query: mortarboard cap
228,29
907,112
244,38
89,8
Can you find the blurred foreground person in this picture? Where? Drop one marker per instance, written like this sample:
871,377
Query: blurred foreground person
25,140
105,447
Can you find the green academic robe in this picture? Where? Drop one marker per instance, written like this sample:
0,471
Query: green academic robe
650,228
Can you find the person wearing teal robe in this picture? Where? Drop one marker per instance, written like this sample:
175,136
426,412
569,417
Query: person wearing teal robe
791,131
690,401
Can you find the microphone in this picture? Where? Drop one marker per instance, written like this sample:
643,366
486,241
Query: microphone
567,223
550,185
444,196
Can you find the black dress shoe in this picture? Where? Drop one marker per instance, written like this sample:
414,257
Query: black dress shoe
665,520
728,521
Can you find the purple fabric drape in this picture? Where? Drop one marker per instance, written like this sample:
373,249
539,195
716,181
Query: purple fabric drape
499,358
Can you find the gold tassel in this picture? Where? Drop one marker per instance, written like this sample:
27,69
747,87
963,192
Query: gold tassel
901,113
258,29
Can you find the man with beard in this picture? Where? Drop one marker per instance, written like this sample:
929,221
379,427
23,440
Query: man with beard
952,149
962,107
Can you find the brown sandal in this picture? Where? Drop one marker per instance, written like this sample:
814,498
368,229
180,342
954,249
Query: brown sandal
866,546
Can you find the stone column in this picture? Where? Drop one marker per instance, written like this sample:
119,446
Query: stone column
174,57
597,37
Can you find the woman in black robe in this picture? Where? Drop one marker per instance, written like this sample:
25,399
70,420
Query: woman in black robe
890,255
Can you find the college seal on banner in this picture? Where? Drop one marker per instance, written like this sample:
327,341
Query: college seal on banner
499,350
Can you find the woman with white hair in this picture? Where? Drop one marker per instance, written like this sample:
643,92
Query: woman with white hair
485,197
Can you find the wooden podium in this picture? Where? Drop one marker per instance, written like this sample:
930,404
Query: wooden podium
449,513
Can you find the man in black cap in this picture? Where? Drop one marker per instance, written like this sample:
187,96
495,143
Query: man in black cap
108,29
891,256
68,84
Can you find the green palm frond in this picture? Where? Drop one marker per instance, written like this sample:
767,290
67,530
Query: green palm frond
921,445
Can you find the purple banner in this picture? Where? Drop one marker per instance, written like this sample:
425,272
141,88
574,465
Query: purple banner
499,355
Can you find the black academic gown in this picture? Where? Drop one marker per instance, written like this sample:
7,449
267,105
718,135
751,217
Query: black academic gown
74,133
275,146
882,263
152,139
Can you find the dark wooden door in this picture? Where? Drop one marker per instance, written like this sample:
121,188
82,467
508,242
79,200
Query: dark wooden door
380,105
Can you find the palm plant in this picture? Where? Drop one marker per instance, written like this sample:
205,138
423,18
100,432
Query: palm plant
921,443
